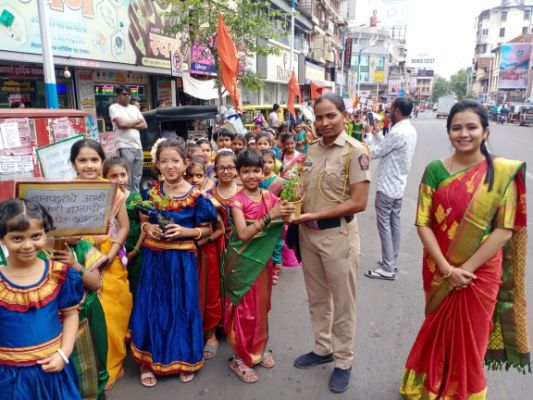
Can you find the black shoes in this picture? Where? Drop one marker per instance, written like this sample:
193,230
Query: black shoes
340,380
312,359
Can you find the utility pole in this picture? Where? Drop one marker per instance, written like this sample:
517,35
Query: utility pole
48,58
293,5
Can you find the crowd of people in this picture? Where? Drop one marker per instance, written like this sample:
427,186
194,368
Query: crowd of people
197,254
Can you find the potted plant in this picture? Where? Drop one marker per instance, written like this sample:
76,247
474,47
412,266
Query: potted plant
293,194
148,208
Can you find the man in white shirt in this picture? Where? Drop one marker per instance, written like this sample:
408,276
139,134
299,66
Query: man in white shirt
273,119
127,120
396,151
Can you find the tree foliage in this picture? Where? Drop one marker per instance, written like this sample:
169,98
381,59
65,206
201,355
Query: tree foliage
459,83
440,87
247,20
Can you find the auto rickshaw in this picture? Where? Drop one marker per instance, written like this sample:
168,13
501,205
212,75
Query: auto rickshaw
526,116
186,121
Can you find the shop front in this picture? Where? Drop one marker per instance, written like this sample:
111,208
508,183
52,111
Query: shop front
104,44
24,83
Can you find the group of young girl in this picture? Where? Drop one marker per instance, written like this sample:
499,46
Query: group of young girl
174,266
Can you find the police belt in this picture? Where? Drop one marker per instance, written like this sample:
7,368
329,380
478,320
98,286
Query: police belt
330,223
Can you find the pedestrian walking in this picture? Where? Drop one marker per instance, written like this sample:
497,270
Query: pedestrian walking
472,222
396,151
127,120
39,302
336,178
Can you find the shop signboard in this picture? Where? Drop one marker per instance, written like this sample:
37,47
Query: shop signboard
202,61
278,66
514,65
126,31
426,73
314,73
379,76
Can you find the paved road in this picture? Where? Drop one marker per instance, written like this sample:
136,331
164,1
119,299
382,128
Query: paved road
389,313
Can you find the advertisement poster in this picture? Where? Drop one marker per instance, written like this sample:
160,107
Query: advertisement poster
125,31
514,65
202,61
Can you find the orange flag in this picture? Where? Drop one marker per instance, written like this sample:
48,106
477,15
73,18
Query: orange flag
294,90
315,91
229,61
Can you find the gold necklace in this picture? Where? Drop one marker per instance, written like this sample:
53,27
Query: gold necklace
250,196
233,187
173,186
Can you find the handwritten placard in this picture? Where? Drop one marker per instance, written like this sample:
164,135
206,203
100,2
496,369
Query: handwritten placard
77,207
55,159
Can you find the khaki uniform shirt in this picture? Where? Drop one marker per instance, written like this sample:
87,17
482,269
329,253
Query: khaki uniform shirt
325,169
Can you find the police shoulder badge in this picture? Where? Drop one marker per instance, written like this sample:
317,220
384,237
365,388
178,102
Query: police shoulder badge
364,162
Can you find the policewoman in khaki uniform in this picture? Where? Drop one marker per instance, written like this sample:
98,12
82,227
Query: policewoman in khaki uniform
336,181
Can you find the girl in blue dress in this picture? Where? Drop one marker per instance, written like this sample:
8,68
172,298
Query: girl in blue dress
166,325
39,302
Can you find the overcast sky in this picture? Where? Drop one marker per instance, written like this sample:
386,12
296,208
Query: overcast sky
446,30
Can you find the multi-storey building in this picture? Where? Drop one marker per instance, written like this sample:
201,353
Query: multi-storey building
495,26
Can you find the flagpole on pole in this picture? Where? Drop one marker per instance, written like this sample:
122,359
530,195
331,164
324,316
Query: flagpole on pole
292,35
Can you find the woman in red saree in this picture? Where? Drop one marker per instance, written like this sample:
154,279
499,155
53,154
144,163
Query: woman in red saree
472,222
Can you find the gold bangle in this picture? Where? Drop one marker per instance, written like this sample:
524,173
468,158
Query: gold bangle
116,242
199,234
446,276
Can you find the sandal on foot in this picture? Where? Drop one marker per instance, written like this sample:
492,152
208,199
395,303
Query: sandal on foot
147,374
267,361
186,377
243,372
109,385
380,274
210,350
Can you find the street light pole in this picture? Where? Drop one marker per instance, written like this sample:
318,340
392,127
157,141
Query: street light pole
292,36
48,58
359,68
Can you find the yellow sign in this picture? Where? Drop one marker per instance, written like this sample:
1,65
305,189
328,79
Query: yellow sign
379,76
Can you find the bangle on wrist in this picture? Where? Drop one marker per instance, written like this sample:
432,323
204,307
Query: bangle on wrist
63,356
82,270
199,234
209,240
448,274
137,249
117,242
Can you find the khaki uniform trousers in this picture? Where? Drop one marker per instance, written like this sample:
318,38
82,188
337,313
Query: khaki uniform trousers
330,259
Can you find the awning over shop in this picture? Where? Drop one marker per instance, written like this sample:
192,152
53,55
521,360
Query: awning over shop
199,88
